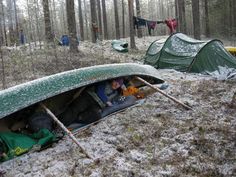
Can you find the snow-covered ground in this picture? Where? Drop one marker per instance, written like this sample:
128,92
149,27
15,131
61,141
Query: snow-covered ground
157,138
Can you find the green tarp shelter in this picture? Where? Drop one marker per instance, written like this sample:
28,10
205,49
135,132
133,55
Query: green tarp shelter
183,53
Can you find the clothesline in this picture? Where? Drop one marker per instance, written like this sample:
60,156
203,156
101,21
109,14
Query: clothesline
141,22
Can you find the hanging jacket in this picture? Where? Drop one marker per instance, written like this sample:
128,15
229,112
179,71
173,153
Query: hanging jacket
138,22
151,26
172,24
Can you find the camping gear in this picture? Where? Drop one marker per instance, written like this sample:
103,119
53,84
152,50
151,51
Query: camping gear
65,40
121,103
16,144
65,130
40,121
119,45
21,101
163,93
183,53
231,50
172,25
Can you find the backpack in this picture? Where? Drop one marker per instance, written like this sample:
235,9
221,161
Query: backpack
40,121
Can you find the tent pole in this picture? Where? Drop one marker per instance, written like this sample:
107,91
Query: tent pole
165,94
65,129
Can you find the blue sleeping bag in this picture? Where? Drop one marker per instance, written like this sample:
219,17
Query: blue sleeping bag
119,104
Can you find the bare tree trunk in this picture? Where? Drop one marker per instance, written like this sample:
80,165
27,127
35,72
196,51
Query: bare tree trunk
30,38
81,21
117,25
177,14
139,15
51,16
1,43
196,19
48,29
123,18
64,18
71,25
1,32
104,14
4,23
3,70
17,25
86,19
131,24
30,23
99,17
234,18
37,20
55,24
94,28
207,19
182,18
10,23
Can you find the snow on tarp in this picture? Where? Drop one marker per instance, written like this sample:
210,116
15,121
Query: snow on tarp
224,73
120,46
183,53
24,95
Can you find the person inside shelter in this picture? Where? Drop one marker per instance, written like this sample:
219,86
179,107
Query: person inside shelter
95,102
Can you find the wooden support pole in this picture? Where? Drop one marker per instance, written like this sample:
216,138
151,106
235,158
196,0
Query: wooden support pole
65,129
165,94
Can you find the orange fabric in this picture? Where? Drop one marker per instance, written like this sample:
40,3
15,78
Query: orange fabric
131,90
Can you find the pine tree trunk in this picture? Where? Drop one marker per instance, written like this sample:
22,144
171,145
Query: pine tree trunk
177,14
16,21
86,20
139,15
123,18
47,21
1,54
131,24
182,18
30,24
196,19
207,19
48,29
94,26
70,10
104,14
4,23
64,18
117,25
37,20
10,23
234,17
3,70
81,21
99,17
55,29
1,31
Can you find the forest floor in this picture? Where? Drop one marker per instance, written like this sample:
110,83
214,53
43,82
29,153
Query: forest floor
156,139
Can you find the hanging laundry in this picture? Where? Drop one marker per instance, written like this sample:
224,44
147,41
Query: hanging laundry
151,26
172,24
138,22
159,22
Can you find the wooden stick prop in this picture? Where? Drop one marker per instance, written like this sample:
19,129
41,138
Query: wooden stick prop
65,129
163,93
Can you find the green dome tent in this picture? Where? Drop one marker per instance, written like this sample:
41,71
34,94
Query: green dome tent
183,53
